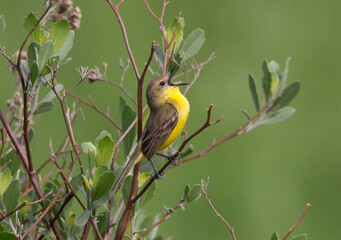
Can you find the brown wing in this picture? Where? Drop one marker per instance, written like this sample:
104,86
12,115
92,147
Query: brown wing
159,126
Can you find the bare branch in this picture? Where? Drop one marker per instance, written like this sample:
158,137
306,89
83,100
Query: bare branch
169,212
204,191
298,222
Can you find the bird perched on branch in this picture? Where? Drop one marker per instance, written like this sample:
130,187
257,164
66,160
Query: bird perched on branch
168,114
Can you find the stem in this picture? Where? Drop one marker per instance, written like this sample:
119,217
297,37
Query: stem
204,191
298,222
169,212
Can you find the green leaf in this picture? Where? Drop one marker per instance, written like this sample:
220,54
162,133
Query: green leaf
25,68
52,63
148,195
29,23
82,219
127,116
192,44
266,80
2,24
275,236
286,96
127,188
51,95
284,75
65,49
5,180
88,148
102,222
7,236
32,52
30,134
45,52
44,107
11,195
186,192
105,150
70,220
104,185
194,194
102,135
279,115
34,69
178,34
158,53
59,33
253,90
98,172
302,236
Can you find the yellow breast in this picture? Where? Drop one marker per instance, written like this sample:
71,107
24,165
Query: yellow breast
182,106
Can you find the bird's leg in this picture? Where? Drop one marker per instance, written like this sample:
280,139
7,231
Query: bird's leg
169,158
157,175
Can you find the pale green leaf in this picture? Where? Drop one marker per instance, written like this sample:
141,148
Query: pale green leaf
34,72
279,115
286,96
266,80
11,195
98,172
159,55
5,180
29,23
51,95
127,116
192,44
148,195
88,148
65,49
82,219
178,24
59,33
253,89
105,150
45,52
302,236
194,193
44,107
104,185
275,236
32,52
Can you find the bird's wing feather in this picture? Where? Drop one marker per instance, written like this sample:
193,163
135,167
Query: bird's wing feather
156,133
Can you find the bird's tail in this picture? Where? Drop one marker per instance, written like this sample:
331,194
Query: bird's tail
135,158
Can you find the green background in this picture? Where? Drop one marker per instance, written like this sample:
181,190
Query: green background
261,181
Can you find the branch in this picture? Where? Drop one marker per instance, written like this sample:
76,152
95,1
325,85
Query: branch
25,203
204,191
93,106
298,222
123,223
125,37
169,212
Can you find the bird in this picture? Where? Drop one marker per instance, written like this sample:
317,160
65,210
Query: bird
169,111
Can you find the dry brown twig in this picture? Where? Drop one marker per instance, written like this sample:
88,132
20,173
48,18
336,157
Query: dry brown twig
204,186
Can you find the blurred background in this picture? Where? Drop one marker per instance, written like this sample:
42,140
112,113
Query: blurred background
260,182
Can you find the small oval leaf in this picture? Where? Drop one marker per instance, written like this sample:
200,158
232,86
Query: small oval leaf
82,219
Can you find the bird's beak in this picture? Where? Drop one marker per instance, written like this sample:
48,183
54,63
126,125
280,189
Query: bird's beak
175,84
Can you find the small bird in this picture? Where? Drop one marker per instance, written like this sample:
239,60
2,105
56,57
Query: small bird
168,114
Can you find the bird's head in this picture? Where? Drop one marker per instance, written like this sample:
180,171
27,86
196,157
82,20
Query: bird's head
160,89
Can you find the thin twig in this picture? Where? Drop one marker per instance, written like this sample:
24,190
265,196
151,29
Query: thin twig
169,212
93,106
204,191
298,222
125,37
25,203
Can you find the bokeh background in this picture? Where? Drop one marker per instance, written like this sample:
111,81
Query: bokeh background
261,181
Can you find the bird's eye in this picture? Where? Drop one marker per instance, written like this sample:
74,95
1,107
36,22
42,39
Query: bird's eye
162,83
